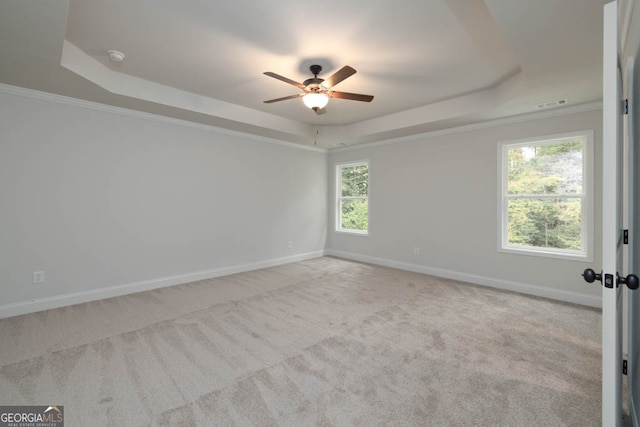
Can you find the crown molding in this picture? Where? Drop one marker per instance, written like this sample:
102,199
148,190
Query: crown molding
90,105
75,102
521,118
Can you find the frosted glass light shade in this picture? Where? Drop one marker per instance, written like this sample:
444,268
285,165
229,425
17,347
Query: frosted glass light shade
315,100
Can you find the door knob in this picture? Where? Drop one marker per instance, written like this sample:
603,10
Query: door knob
631,281
591,276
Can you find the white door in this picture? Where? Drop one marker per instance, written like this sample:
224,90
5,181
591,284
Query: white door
613,200
612,223
633,252
612,231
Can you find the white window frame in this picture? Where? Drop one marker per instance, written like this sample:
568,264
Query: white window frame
339,198
587,196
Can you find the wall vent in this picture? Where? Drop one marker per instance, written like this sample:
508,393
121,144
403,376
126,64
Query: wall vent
550,104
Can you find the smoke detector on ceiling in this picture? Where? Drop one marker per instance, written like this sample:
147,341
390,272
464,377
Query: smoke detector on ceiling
550,104
115,56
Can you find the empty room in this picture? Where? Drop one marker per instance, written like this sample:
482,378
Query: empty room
245,213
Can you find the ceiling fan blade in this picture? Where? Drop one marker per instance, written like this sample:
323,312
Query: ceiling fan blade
352,96
284,98
284,79
339,76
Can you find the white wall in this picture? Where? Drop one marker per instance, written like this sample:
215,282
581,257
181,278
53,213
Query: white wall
439,193
107,203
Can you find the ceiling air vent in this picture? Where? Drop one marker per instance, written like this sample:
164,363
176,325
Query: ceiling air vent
550,104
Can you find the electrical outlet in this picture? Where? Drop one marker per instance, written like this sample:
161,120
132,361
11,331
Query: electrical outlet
289,244
416,250
38,277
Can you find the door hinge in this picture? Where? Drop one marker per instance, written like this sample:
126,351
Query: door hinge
625,237
625,106
624,367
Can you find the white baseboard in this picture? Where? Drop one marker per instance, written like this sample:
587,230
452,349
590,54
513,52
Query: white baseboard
572,297
25,307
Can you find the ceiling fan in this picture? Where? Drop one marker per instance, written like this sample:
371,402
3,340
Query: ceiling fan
317,91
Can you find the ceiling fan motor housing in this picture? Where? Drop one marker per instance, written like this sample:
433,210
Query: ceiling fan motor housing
313,84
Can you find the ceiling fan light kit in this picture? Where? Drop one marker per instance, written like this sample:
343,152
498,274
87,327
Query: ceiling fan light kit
315,100
317,91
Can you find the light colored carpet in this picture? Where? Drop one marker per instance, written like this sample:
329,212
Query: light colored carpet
316,343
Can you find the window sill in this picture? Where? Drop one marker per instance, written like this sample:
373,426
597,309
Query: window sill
540,252
353,232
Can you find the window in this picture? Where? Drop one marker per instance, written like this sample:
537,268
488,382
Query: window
546,204
352,197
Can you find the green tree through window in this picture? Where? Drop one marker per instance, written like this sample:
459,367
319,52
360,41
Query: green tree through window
353,200
544,195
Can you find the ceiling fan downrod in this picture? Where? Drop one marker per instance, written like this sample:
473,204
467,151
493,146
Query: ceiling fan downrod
315,70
